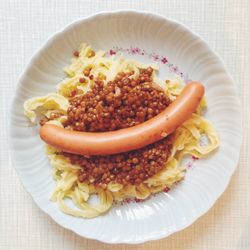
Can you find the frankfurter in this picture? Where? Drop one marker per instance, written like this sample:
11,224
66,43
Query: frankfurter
132,138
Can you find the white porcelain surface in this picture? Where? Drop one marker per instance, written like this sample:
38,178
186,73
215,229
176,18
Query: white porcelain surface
162,214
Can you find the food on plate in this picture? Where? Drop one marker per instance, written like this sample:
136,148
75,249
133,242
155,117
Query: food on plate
115,131
127,139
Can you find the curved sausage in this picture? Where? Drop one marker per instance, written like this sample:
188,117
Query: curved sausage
113,142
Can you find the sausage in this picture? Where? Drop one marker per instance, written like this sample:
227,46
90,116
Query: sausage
123,140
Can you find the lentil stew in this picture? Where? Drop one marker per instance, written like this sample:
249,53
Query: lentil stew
122,103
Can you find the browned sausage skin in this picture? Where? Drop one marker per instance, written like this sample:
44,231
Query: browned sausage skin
123,140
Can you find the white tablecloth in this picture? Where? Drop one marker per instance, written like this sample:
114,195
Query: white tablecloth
25,25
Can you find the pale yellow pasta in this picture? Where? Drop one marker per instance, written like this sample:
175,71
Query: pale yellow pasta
51,101
187,138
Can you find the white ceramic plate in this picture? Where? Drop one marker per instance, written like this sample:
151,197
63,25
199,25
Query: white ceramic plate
147,37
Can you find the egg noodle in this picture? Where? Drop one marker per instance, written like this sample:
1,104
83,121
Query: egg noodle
187,137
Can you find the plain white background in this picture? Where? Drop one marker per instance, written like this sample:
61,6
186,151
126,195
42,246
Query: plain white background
24,27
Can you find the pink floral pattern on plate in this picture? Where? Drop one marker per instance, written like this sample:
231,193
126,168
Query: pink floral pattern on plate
134,50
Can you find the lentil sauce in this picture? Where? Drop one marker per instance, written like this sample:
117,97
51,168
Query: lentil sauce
121,103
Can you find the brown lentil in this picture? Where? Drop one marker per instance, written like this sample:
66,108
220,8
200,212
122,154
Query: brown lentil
121,103
82,80
105,110
130,167
76,53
